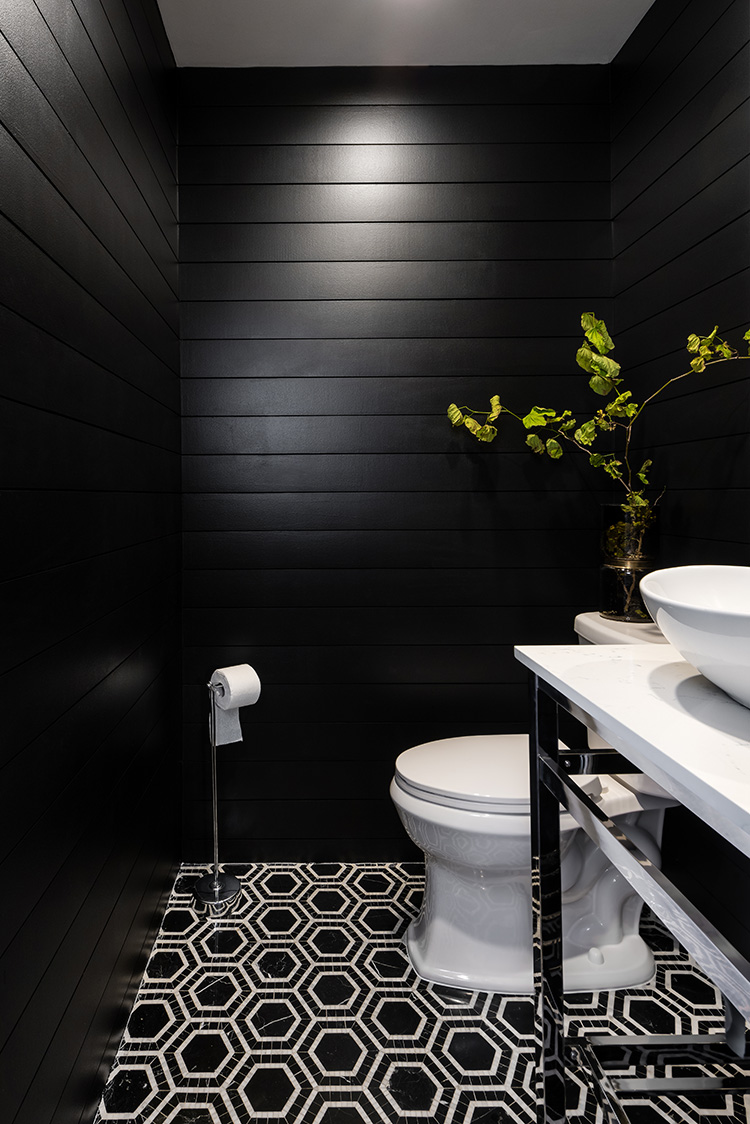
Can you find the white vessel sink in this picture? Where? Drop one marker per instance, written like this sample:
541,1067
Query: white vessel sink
704,612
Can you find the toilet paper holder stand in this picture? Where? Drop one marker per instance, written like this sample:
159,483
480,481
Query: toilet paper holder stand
216,888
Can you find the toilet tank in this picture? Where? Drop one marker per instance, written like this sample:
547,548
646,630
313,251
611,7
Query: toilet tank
593,628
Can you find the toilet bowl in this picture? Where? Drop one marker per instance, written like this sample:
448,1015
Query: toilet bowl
465,802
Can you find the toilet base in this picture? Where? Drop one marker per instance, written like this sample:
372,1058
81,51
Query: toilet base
629,963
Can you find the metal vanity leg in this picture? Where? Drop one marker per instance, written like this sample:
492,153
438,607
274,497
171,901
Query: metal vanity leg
547,916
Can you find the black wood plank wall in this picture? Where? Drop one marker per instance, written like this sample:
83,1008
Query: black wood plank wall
358,249
680,176
90,353
681,171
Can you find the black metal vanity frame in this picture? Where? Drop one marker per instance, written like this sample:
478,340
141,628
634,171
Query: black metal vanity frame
552,786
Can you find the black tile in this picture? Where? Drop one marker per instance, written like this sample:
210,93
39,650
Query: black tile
269,1089
398,1017
280,884
337,1051
333,989
178,921
127,1089
205,1052
276,965
148,1020
330,942
413,1088
471,1051
328,901
165,965
273,1018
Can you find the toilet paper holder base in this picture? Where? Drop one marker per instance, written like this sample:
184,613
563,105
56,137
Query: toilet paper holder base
217,888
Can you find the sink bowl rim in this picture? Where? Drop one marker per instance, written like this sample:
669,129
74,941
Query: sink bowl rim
667,601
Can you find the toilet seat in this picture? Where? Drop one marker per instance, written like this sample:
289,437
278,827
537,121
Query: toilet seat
478,773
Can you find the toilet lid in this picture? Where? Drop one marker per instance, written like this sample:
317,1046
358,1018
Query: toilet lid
488,772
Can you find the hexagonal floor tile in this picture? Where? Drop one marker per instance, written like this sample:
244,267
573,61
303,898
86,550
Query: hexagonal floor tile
334,1053
272,1021
205,1054
323,940
214,992
129,1090
224,940
279,921
400,1021
273,1089
279,966
335,990
408,1088
300,1005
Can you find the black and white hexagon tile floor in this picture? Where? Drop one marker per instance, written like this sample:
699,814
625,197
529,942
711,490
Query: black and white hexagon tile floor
300,1007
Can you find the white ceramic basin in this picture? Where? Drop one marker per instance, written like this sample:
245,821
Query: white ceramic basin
704,612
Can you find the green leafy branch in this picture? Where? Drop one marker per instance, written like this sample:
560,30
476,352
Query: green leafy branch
554,429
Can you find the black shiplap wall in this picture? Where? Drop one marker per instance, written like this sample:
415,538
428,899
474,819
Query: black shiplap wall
681,171
680,176
88,307
358,249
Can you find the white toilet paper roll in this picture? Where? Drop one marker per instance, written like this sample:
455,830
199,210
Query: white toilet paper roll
239,686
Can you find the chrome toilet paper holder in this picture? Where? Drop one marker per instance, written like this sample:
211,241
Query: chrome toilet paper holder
216,888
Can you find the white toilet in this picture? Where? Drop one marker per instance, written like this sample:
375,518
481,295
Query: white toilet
465,803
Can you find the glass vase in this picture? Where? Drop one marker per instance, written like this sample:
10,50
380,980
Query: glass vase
628,552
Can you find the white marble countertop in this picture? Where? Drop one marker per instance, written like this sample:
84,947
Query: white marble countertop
666,718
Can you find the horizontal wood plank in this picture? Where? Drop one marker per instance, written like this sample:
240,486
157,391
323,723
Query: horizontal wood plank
383,124
399,202
457,85
441,358
465,240
331,588
61,528
453,469
397,163
675,71
42,292
372,511
392,280
367,319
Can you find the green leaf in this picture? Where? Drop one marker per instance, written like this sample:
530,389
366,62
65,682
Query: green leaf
613,468
586,433
496,410
454,415
600,385
554,449
621,407
596,332
538,415
605,375
584,356
596,460
535,443
641,474
486,433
